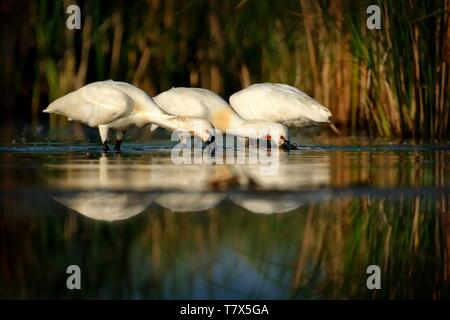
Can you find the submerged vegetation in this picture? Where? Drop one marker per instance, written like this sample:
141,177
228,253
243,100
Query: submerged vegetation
388,82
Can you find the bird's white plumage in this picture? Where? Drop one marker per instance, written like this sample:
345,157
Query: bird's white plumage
142,100
279,103
94,104
203,103
196,102
106,206
119,106
264,205
189,202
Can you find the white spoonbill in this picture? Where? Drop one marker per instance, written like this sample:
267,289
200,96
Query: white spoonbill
280,103
119,106
203,103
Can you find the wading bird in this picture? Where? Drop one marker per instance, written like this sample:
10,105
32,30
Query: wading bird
119,106
202,103
279,103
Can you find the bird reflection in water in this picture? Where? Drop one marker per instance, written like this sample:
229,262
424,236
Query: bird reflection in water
113,188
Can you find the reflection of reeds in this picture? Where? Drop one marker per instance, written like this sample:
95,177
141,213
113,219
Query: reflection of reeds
404,237
320,251
392,81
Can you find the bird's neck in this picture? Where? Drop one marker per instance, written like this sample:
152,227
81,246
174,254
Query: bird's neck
160,119
226,120
147,112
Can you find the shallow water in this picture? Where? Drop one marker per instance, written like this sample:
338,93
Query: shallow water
140,226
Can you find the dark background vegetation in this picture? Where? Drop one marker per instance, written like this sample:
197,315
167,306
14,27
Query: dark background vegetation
386,205
391,82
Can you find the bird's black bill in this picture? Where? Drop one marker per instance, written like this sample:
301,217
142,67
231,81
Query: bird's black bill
207,143
288,146
293,146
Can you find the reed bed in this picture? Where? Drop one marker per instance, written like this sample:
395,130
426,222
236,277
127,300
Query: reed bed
391,82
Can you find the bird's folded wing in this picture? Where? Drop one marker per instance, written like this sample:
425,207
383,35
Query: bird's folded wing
275,102
295,105
181,102
95,104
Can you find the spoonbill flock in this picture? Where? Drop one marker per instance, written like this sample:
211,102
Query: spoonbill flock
205,104
260,111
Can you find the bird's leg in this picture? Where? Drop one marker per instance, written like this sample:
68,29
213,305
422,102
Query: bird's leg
105,146
119,139
117,145
104,136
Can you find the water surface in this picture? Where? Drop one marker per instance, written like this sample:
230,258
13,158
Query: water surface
141,227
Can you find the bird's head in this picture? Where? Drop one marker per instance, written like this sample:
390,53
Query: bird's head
269,131
198,127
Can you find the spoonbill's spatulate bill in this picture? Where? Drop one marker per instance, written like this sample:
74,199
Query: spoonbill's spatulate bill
280,103
119,106
197,102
